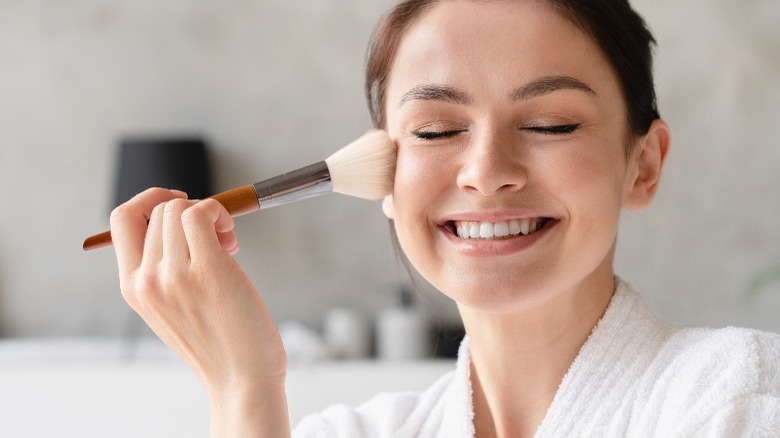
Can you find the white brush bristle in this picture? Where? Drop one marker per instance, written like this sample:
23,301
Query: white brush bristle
364,168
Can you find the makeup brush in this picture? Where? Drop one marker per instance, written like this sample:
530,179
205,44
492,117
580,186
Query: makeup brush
364,168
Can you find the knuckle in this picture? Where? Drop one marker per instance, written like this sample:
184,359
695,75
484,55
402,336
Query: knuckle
133,208
159,208
119,214
188,216
148,194
158,211
145,291
209,204
196,212
176,279
127,290
179,203
145,284
153,191
174,207
131,287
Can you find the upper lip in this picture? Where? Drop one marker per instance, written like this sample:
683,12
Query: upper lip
497,216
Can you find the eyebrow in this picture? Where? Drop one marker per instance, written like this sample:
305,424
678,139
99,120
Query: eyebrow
439,92
537,87
548,84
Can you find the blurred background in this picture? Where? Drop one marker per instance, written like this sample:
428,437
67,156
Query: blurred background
275,85
270,86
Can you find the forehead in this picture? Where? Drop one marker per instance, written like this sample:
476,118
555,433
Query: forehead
496,45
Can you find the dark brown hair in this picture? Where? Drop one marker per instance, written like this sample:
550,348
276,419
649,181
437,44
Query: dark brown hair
616,28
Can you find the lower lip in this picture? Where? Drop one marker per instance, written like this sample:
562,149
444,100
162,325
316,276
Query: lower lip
496,247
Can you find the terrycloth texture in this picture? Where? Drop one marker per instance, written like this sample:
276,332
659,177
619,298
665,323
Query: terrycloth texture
634,377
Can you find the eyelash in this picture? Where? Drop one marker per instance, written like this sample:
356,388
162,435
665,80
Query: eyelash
554,129
549,130
433,135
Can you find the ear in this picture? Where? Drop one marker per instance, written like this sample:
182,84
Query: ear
387,206
646,163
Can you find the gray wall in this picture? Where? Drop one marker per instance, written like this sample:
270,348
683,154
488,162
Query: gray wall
275,85
714,226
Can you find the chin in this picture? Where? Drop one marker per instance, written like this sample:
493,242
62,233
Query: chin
491,293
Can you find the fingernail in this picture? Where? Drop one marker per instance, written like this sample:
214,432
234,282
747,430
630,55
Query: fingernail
179,193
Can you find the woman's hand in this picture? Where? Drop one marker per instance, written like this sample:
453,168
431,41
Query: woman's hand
179,275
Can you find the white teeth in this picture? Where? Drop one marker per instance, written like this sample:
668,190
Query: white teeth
525,226
490,230
474,230
514,227
486,230
501,229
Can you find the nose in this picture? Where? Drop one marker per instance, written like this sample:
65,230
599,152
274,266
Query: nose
492,166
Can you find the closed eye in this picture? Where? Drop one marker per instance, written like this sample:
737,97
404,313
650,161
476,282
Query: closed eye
433,135
554,129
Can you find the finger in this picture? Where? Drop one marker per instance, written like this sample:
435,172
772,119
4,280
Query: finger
202,222
175,247
153,245
129,224
229,242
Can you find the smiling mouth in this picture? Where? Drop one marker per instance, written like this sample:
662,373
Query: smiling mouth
498,230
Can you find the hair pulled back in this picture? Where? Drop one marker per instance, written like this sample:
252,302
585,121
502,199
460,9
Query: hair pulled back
616,28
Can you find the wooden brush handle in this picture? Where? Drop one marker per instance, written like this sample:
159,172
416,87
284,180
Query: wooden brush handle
237,202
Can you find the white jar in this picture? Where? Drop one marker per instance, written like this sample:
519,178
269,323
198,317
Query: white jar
347,334
402,331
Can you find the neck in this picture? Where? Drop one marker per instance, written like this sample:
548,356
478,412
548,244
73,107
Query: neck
519,359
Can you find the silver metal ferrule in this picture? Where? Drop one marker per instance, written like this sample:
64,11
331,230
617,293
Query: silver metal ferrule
306,182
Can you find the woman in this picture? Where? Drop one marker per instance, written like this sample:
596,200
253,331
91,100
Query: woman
523,129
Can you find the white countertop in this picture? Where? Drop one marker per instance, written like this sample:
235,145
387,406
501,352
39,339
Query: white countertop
89,388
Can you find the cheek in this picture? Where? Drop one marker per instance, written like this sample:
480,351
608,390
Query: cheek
421,185
410,194
409,171
420,177
589,179
592,166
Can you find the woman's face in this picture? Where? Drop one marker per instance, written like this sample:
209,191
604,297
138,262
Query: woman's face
511,171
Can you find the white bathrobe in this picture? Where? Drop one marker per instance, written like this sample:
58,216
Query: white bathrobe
634,377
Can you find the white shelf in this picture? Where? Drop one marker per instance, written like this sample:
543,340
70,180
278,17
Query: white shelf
82,388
